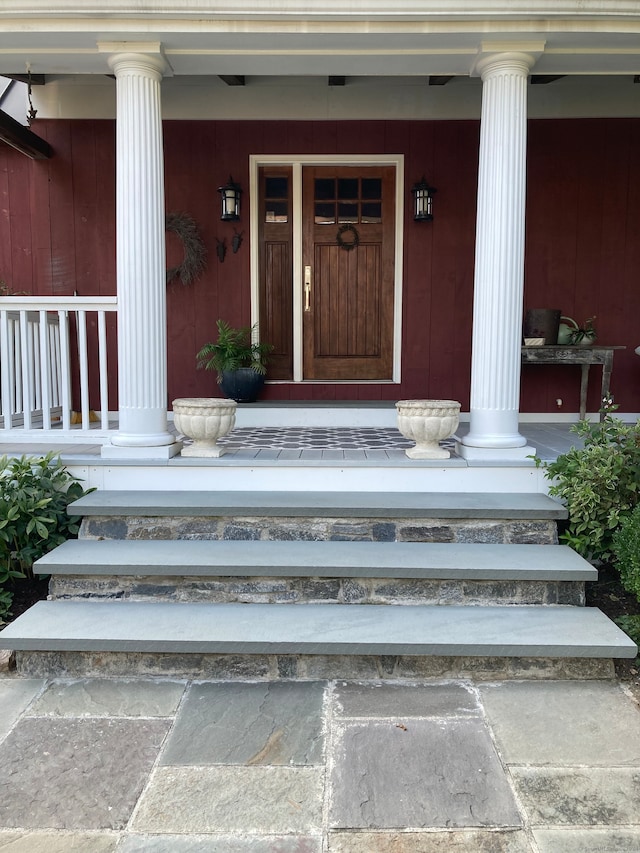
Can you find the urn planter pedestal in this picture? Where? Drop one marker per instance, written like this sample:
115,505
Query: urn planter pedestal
205,420
428,422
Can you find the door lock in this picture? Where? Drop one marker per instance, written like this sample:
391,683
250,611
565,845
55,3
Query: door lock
307,288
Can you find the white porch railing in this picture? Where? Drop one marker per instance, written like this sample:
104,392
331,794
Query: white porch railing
46,342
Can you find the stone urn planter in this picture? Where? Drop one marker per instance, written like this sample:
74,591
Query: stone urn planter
427,422
205,420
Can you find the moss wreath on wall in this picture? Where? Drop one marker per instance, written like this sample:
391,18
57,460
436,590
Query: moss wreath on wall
195,252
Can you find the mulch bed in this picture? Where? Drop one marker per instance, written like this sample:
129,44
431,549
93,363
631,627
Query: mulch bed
26,592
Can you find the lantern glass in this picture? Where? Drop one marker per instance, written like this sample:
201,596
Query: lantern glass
422,201
230,198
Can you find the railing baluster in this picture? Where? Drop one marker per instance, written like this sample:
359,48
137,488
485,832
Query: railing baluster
26,355
16,364
65,361
81,328
56,363
6,386
102,366
34,361
45,370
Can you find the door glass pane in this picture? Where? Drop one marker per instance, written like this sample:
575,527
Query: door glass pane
347,188
276,187
371,188
347,212
325,214
325,189
371,212
276,211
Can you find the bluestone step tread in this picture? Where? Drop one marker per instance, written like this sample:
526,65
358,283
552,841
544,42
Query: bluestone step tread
161,627
327,504
316,559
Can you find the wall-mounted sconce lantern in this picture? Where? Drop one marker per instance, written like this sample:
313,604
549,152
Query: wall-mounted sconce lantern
230,195
422,201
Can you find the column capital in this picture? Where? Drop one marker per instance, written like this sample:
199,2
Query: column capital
506,57
135,58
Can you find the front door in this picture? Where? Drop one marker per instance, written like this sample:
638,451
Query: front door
348,223
348,255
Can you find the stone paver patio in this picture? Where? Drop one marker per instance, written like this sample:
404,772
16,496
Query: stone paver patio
170,766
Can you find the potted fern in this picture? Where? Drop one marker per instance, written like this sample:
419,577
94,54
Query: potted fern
239,359
574,335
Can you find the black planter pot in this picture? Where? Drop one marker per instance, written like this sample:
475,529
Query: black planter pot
242,385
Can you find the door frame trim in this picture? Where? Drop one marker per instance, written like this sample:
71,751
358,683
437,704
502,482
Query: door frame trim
298,162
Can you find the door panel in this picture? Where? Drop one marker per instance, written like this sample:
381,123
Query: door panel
348,327
276,268
342,286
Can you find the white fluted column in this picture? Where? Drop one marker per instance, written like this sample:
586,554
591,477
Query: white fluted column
499,261
140,258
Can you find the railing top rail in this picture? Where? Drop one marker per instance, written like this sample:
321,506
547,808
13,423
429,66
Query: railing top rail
58,303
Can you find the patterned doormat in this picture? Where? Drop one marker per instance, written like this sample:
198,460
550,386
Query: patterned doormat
320,438
317,438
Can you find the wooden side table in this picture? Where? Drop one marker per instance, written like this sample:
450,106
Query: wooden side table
584,356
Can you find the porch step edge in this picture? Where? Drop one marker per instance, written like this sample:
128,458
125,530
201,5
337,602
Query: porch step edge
489,505
336,559
160,627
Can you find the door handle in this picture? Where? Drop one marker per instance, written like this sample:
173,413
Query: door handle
307,288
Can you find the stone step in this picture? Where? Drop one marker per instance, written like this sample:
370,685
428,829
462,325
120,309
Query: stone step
277,572
217,558
247,636
379,516
463,505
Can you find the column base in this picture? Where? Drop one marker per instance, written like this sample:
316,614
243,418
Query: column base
160,452
494,454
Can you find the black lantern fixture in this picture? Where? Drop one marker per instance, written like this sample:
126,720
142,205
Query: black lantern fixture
230,195
422,201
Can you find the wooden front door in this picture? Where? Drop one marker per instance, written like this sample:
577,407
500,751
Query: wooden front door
348,272
344,313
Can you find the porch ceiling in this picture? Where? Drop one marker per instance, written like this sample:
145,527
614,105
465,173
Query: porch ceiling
417,37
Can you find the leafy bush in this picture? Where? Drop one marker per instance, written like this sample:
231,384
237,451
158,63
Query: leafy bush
6,596
626,549
34,493
630,624
599,483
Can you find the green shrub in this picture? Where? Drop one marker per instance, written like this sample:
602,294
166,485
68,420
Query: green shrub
599,483
631,626
34,493
626,549
6,596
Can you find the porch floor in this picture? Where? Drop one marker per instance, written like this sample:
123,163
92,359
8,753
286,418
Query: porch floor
359,445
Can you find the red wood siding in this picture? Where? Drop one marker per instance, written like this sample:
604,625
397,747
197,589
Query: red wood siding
57,236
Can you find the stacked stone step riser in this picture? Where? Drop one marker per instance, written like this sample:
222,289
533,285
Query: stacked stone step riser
276,590
320,528
317,572
311,590
241,667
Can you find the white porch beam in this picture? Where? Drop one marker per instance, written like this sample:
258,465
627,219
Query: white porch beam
140,259
499,262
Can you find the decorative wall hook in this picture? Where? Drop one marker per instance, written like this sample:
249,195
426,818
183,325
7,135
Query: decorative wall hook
236,240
